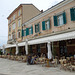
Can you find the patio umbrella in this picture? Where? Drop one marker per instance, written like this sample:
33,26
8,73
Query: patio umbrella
16,48
49,51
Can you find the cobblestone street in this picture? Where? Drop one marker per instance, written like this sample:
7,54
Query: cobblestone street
9,67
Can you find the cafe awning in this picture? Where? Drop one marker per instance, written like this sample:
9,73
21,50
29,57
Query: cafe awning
51,38
57,37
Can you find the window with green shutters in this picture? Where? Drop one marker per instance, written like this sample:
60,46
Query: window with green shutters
60,19
46,25
72,13
29,31
37,28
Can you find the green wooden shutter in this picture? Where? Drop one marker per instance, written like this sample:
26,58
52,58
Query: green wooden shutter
27,31
43,25
55,21
35,28
31,29
49,23
64,17
22,33
72,13
38,28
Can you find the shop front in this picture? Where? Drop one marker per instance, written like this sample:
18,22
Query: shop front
62,44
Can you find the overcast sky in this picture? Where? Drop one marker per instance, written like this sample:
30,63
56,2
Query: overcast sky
7,6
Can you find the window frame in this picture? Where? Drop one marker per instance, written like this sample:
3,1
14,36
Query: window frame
13,25
60,17
30,31
19,12
19,22
14,16
9,28
18,34
47,27
9,37
13,35
25,32
64,19
9,21
37,28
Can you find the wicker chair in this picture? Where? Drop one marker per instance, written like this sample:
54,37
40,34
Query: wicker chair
12,57
3,56
61,63
15,57
8,56
72,68
24,58
0,56
55,62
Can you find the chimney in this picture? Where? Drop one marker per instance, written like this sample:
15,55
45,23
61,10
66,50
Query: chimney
41,11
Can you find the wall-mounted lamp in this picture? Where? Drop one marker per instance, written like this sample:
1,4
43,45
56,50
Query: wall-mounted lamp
68,27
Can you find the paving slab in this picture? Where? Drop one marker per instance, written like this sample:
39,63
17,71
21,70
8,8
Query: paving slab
10,67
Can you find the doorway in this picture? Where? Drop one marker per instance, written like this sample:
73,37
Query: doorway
63,48
38,50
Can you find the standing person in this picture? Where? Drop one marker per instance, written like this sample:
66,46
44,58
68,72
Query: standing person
74,56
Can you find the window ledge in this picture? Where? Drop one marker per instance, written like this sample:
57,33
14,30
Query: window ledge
60,25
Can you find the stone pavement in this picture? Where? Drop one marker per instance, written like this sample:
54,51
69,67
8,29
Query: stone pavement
9,67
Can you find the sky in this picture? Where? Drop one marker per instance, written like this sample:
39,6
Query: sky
7,6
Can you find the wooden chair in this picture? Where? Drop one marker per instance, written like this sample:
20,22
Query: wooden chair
3,56
12,57
8,56
72,68
65,64
55,62
63,57
15,57
0,56
24,59
37,61
61,64
42,61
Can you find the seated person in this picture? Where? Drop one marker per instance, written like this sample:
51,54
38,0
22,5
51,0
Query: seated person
74,56
33,59
29,59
